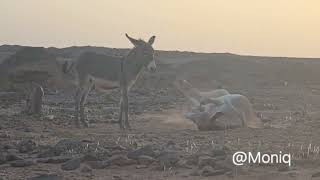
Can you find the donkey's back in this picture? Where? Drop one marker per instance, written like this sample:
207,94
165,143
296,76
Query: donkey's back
99,66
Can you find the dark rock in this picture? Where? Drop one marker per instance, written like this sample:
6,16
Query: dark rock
51,152
46,177
72,164
121,160
98,164
145,160
26,146
3,158
12,157
54,160
21,163
144,151
206,161
317,174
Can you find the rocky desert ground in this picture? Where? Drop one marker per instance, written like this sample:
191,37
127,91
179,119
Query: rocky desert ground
285,93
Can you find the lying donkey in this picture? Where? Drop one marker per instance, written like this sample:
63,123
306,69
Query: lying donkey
110,72
220,110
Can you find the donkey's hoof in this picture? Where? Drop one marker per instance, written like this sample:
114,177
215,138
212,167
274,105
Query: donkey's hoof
85,123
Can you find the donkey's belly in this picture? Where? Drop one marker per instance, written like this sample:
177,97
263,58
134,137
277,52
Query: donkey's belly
102,84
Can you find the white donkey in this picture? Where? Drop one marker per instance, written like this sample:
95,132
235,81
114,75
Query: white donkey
110,72
195,96
210,106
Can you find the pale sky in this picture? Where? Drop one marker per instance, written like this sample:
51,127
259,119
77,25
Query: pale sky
252,27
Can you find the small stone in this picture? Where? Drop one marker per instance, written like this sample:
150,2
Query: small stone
168,159
218,150
206,161
98,164
86,169
46,177
145,160
209,171
72,164
121,160
144,151
195,173
90,157
182,163
141,166
21,163
54,160
115,177
224,165
26,146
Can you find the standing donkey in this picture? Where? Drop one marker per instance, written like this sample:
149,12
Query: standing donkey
110,72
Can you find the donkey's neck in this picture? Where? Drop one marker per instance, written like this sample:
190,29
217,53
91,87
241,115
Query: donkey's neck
132,66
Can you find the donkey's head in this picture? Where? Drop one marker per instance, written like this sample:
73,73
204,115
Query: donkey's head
143,52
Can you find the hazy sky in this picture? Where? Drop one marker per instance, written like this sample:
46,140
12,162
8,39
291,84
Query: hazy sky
254,27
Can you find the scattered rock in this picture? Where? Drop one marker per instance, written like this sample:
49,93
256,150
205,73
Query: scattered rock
141,166
25,146
168,159
209,171
46,177
72,164
144,151
86,169
218,150
145,160
4,135
225,165
121,160
98,164
3,158
21,163
317,174
69,145
205,161
117,177
90,157
182,163
195,173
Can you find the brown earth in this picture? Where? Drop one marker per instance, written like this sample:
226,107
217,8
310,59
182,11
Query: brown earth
285,92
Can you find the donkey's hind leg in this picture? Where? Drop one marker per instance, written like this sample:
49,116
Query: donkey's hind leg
77,99
126,111
83,100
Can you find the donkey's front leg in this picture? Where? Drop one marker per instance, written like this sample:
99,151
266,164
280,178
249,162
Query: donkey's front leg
126,111
120,114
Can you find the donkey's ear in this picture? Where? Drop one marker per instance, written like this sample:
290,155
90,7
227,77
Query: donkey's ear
151,40
132,40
